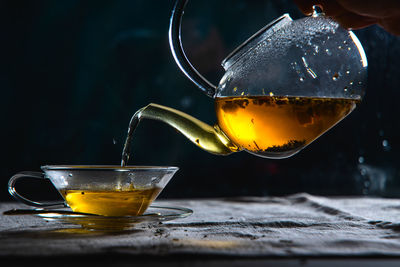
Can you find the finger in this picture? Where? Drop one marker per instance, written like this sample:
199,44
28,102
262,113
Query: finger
351,20
372,8
332,8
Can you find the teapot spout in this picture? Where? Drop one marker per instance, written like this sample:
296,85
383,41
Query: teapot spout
209,138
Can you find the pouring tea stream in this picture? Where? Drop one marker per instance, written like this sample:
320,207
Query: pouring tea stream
284,87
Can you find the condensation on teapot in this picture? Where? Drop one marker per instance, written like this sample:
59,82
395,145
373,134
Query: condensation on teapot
312,57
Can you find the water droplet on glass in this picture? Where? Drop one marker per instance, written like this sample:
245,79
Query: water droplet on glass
70,175
386,145
345,42
349,48
328,52
309,70
114,141
186,102
301,79
311,73
316,49
340,47
361,159
345,89
348,72
304,62
363,171
271,94
351,83
335,76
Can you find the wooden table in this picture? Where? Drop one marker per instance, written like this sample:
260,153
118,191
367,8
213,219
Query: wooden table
278,231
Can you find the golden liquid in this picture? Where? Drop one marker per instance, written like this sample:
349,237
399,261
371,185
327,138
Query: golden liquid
111,203
274,125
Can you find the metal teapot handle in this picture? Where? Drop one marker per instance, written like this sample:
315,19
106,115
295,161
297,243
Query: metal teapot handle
179,55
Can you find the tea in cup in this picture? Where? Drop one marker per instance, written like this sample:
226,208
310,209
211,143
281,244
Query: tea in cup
101,190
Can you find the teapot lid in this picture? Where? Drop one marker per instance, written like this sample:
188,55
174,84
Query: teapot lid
263,34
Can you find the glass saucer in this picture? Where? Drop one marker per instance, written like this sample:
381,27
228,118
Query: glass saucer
153,215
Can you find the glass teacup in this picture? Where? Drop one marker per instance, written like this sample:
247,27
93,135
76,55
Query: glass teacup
101,190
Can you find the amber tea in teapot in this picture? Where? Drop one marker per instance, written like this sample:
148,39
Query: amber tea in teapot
276,125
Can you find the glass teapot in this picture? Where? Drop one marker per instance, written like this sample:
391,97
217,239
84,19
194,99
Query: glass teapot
283,87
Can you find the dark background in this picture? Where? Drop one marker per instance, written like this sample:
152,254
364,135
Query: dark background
72,73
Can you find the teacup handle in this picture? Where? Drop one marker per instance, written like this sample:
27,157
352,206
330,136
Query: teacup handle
14,193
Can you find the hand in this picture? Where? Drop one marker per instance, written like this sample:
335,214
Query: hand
356,14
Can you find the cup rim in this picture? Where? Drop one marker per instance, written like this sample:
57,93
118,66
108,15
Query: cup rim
108,168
